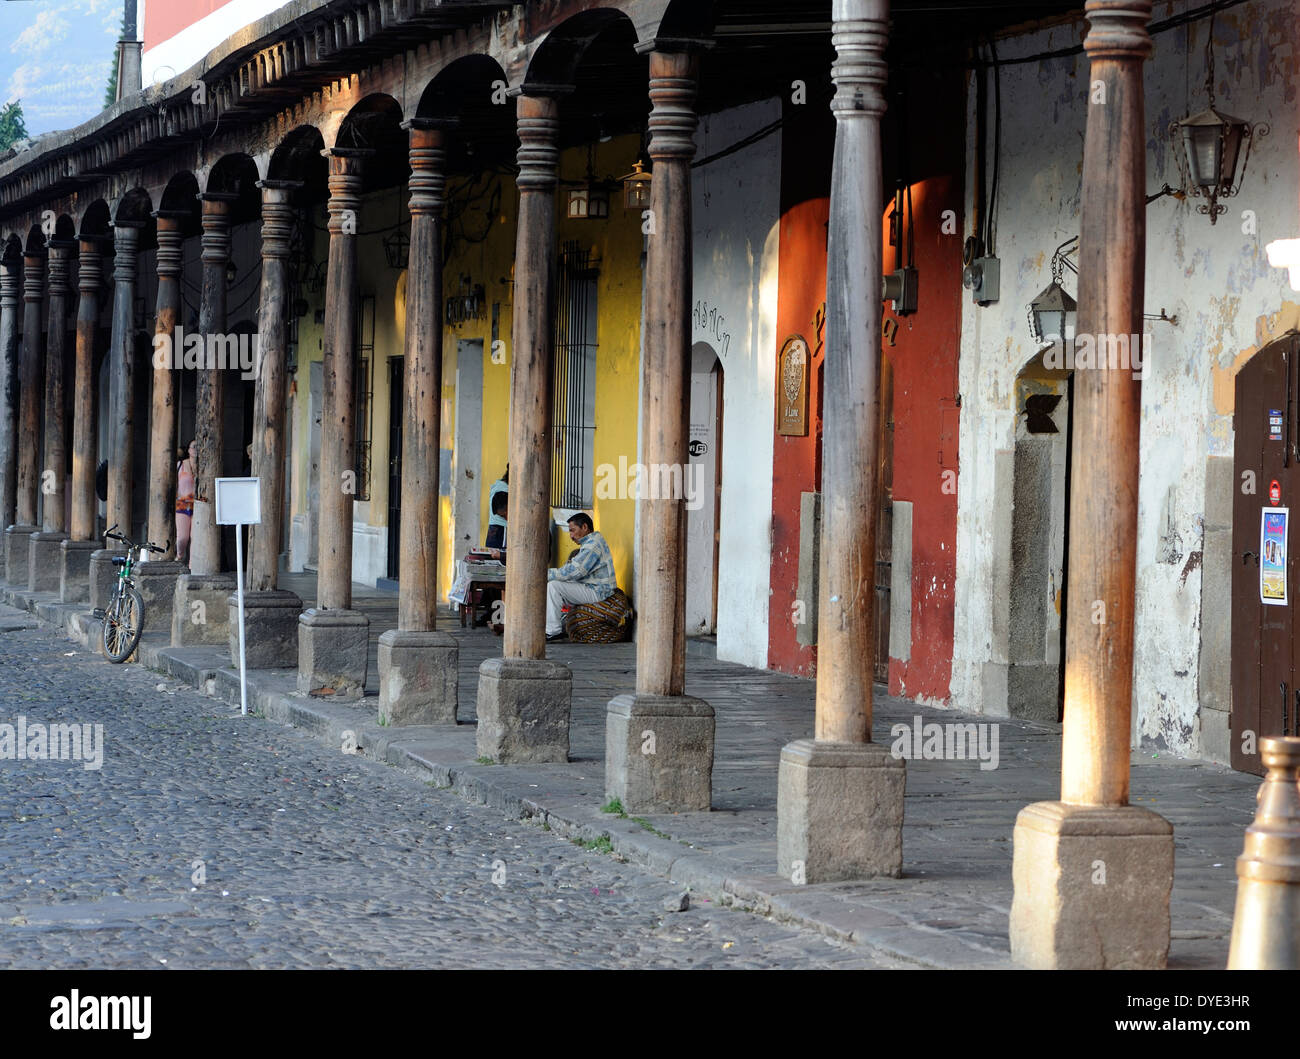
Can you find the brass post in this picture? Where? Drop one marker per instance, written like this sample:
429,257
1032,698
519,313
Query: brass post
1266,924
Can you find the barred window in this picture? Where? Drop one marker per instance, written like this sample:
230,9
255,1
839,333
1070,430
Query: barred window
575,379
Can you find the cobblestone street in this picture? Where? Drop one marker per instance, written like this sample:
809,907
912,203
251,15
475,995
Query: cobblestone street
310,858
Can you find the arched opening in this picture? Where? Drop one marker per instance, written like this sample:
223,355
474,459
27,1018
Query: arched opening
1039,542
704,492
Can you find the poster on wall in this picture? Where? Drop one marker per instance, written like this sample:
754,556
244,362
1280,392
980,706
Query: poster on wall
1272,556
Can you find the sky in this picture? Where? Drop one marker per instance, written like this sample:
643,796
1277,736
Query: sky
55,56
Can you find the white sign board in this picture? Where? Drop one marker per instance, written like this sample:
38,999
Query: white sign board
239,501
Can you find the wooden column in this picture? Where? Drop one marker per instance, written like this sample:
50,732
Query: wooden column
29,390
205,534
53,514
10,282
1092,875
90,275
126,238
268,402
1106,413
532,377
162,419
846,643
417,604
338,443
665,375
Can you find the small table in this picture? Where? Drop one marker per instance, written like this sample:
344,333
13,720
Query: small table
482,576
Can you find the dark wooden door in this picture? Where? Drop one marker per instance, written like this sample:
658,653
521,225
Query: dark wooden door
884,516
1265,665
396,377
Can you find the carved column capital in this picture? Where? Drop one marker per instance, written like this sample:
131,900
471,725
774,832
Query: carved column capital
859,33
34,277
539,153
277,217
1117,29
345,174
60,264
428,165
674,84
215,221
171,239
10,282
90,271
126,242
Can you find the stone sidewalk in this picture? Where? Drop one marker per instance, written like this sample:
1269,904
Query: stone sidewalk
951,907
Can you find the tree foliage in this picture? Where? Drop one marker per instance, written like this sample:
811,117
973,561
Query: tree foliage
12,126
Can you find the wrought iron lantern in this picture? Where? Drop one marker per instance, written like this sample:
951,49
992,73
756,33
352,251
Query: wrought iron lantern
1052,312
1213,145
636,187
397,249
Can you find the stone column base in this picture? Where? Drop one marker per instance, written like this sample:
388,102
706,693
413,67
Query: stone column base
333,653
199,611
523,710
419,677
44,561
156,581
74,570
839,811
270,629
103,576
1092,887
18,540
659,753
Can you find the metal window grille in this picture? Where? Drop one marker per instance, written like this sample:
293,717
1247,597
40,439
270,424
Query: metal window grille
364,393
575,378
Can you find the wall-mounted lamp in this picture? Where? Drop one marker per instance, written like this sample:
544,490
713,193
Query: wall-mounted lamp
1212,145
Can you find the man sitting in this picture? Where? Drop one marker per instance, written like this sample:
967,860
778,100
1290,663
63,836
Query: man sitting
588,576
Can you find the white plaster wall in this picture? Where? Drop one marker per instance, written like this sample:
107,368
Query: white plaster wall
737,207
1215,279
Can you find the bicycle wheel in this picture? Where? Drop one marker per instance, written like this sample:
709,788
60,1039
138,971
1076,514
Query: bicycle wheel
123,623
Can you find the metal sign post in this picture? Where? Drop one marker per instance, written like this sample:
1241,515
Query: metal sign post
239,504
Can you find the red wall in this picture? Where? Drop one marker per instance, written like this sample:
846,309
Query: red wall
924,359
924,356
163,19
806,144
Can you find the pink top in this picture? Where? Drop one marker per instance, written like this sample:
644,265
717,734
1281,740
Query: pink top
184,482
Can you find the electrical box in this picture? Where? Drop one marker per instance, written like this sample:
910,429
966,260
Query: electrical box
981,278
899,287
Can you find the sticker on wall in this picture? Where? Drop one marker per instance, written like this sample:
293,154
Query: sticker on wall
1275,424
697,448
1272,556
1274,493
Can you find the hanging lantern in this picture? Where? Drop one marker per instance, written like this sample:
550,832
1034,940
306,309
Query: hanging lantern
1213,143
397,249
1052,315
636,188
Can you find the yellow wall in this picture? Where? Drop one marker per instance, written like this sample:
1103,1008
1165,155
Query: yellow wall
481,219
616,242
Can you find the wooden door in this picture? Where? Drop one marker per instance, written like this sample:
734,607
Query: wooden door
1265,666
396,414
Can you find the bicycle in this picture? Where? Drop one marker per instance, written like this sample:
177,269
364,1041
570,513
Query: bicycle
123,618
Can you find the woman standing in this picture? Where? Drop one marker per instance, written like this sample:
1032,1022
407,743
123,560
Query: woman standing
184,503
